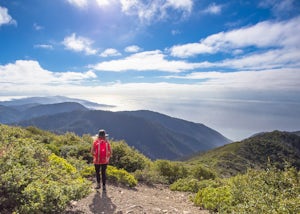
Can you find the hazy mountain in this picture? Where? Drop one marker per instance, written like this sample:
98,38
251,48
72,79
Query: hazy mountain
51,109
8,114
194,130
32,101
14,114
156,138
297,133
258,151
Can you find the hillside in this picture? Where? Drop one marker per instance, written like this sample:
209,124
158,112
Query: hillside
153,138
176,125
274,147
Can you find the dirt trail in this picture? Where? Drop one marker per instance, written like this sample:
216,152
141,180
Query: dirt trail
140,200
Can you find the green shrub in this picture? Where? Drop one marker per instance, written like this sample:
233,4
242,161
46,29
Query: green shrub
185,185
172,171
193,185
214,199
211,183
121,176
150,176
201,172
128,158
257,191
32,179
268,191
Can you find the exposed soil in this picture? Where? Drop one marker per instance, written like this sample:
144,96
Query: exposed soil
140,200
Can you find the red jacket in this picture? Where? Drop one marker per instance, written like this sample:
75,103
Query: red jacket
101,151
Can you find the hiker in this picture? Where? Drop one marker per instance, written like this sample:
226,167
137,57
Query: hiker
101,152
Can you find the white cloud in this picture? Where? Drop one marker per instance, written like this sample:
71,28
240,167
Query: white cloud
184,5
79,44
213,9
146,61
146,11
132,49
79,3
110,52
37,27
265,34
24,73
269,80
278,7
155,10
281,58
44,46
103,3
5,18
191,49
65,77
175,32
279,48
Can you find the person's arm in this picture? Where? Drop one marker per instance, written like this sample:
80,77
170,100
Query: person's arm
92,149
109,149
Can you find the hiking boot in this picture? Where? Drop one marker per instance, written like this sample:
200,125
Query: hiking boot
98,186
104,188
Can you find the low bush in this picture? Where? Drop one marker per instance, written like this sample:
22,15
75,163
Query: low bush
128,158
171,171
194,185
257,191
201,172
217,199
186,185
150,176
121,176
32,179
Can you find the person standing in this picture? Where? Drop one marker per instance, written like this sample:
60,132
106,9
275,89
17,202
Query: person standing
101,152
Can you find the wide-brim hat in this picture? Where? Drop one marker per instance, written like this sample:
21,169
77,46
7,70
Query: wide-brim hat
102,133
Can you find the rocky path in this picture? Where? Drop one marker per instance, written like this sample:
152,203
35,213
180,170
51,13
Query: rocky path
140,200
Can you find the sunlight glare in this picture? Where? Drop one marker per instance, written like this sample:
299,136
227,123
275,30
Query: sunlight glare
103,3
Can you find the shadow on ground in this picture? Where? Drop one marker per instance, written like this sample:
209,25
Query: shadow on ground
102,204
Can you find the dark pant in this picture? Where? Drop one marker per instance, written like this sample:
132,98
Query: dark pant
103,172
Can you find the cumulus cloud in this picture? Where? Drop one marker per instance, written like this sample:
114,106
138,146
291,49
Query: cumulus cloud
282,34
213,9
146,61
29,72
79,44
155,10
132,49
5,18
110,52
146,11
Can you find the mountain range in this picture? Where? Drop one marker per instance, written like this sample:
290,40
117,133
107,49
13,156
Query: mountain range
156,135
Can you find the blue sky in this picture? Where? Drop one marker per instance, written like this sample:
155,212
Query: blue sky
231,65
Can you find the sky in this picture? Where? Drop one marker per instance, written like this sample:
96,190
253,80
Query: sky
233,66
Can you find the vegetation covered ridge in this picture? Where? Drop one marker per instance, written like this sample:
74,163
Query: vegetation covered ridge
41,172
277,147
